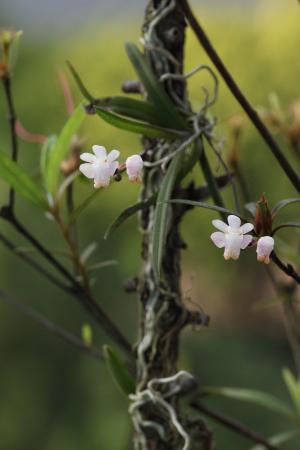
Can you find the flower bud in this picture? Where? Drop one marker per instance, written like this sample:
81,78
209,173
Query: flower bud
265,246
134,166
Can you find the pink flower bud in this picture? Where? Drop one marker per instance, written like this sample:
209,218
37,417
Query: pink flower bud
134,166
265,246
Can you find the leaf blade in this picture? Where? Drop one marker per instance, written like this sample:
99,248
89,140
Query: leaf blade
135,126
161,213
293,387
262,399
61,148
282,204
21,182
119,372
165,108
126,213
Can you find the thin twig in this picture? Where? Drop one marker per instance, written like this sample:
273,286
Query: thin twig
38,267
237,93
12,124
76,289
51,326
233,425
288,269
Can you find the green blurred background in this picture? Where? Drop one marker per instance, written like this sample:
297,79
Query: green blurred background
51,396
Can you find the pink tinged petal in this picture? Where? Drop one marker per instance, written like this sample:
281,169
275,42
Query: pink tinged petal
113,167
247,227
218,239
247,239
99,151
87,170
220,225
234,221
265,246
233,243
88,157
134,166
113,155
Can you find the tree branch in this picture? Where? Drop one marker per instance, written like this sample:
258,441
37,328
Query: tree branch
12,124
38,267
76,289
238,94
288,269
52,327
233,425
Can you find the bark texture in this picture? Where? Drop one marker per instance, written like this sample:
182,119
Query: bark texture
158,422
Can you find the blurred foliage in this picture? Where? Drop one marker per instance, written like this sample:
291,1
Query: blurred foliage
52,397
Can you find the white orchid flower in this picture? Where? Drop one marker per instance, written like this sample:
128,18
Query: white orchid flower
265,246
100,166
232,237
134,167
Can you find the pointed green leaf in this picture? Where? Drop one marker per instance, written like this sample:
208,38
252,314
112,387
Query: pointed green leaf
160,220
286,225
282,204
207,206
134,126
293,386
259,398
278,439
164,107
86,94
119,372
46,150
136,109
62,147
128,212
21,182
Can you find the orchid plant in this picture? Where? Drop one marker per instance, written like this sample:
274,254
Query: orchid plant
175,140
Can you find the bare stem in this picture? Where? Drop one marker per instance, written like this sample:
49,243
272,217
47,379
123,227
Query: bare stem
38,267
51,326
233,425
79,267
12,124
77,291
288,269
238,94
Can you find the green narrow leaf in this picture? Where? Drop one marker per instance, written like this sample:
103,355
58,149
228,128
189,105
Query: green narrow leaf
282,204
134,126
128,212
130,107
259,398
161,213
62,147
86,94
207,206
286,225
46,150
119,372
293,387
164,107
278,439
21,182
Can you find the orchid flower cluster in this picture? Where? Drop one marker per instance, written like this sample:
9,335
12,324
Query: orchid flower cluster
101,166
233,238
